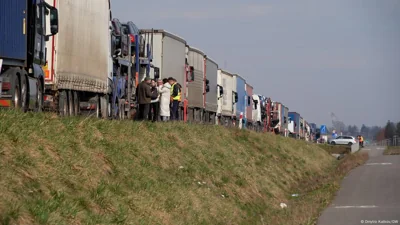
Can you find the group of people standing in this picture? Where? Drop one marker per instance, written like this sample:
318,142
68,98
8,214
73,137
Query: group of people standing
360,141
158,99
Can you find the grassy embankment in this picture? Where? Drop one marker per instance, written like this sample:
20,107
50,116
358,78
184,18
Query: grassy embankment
392,150
89,171
336,149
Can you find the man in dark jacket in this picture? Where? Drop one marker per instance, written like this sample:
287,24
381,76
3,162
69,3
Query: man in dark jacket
155,102
144,98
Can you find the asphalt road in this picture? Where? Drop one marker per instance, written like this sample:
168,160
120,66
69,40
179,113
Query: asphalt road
370,194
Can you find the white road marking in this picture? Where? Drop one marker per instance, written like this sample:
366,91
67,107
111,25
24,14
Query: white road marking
366,149
380,148
371,164
356,206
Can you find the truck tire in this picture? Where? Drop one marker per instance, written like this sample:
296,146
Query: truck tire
16,94
24,92
63,103
71,111
39,97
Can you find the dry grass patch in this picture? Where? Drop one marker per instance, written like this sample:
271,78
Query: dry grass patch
88,171
336,149
392,150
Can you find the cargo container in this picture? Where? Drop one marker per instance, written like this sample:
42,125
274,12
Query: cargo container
195,89
227,100
169,55
295,117
78,68
241,96
249,106
281,113
23,36
211,105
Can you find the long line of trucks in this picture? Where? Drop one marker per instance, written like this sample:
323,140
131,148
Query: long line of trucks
54,56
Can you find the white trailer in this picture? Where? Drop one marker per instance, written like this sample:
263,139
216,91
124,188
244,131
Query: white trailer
211,105
79,67
196,89
225,102
169,54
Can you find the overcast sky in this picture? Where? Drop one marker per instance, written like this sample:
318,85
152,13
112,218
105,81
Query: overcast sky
316,57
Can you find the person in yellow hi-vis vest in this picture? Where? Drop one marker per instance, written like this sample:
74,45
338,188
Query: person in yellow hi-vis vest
362,141
175,98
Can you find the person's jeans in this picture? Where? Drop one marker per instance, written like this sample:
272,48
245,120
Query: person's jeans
174,111
153,111
143,111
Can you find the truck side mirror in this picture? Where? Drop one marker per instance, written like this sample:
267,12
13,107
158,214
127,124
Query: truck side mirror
53,21
221,90
191,73
255,103
156,73
235,100
207,86
248,100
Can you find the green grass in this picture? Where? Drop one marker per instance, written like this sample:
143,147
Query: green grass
89,171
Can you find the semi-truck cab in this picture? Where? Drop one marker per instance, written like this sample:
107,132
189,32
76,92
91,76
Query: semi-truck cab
23,37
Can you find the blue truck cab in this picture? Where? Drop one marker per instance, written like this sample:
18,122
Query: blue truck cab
295,117
23,36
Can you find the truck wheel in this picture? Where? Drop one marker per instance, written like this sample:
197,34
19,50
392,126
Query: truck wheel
63,103
39,100
76,103
71,111
16,94
24,93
